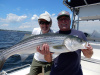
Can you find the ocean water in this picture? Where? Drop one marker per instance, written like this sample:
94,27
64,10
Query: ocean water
9,38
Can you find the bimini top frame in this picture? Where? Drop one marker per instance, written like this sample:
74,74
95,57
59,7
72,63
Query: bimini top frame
79,3
84,10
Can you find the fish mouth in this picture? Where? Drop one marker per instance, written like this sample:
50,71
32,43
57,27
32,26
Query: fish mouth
86,45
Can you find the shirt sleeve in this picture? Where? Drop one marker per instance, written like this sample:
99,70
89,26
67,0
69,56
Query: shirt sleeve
36,31
84,37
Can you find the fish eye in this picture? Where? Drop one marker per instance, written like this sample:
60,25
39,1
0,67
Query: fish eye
80,40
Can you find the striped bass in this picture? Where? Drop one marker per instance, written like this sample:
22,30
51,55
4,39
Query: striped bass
58,43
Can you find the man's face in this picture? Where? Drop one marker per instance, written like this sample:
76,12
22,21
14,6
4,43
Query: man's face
44,25
64,23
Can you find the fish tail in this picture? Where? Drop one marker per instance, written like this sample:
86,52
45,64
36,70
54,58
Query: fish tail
2,61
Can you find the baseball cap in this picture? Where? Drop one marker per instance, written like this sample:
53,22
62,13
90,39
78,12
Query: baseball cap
45,16
63,13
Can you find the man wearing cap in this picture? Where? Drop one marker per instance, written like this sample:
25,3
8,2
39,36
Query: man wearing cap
69,63
45,23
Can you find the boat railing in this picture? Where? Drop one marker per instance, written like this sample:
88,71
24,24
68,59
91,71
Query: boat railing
92,60
12,70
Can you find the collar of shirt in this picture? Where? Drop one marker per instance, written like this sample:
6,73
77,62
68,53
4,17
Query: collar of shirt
48,32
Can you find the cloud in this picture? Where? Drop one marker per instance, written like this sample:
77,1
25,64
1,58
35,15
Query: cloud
25,25
29,25
35,24
5,25
35,17
53,15
13,18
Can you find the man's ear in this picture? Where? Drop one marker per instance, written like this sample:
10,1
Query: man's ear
50,25
70,21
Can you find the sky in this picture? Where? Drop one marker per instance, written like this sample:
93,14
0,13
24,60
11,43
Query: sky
23,14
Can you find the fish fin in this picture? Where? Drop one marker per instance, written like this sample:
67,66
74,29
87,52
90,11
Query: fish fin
24,56
58,47
26,36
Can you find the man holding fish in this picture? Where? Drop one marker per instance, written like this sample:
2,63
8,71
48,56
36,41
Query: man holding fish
45,23
67,63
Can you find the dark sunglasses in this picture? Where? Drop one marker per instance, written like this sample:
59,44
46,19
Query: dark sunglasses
44,22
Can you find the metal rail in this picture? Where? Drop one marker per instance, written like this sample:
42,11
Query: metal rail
92,60
14,69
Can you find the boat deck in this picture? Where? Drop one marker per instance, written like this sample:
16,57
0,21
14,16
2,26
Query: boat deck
90,68
87,67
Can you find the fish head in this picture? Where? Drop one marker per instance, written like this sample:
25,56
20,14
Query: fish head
73,43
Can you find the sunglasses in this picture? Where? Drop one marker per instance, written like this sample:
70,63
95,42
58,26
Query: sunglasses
44,22
66,18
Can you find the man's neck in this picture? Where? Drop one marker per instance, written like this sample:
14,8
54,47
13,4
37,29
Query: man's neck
44,32
65,32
